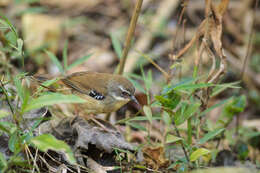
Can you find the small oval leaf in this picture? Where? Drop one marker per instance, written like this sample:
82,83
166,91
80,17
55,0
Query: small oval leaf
148,113
171,139
47,142
198,153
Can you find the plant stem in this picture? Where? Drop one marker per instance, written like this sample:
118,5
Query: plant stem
7,98
189,132
129,36
183,148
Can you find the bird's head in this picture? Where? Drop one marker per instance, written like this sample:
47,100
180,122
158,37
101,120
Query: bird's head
121,89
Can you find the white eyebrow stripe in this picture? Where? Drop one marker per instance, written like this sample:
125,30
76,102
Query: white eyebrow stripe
122,89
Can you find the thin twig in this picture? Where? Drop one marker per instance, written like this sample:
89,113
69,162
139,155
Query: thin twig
130,34
249,46
184,4
165,74
183,148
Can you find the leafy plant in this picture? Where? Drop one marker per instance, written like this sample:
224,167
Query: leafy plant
65,67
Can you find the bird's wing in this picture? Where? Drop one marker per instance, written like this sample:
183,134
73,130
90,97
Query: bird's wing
85,82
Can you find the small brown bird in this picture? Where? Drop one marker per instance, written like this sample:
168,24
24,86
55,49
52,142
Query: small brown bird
103,92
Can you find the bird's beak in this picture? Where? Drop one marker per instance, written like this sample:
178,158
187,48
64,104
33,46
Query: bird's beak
134,99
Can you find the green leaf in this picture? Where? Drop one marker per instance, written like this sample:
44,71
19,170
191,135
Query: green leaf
136,126
172,138
7,127
3,113
148,113
135,76
185,112
141,118
3,163
175,65
52,98
20,89
14,143
234,107
47,83
210,135
169,88
193,86
6,22
55,60
166,118
221,87
20,46
18,160
137,85
215,106
198,153
116,44
238,105
242,150
12,39
47,142
171,100
79,61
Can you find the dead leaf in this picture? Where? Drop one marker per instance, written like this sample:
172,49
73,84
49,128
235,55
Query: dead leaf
79,133
155,157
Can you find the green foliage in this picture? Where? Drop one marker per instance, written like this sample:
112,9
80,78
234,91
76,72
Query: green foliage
3,113
11,42
55,60
47,142
50,99
242,150
210,135
198,153
3,163
116,44
181,108
136,126
185,112
65,67
8,127
232,108
18,140
169,100
172,139
148,113
79,61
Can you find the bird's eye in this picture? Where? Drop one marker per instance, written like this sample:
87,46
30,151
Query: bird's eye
125,94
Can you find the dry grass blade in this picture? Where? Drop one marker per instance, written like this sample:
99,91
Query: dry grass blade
165,74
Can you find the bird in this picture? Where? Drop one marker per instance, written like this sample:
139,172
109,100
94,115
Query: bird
103,92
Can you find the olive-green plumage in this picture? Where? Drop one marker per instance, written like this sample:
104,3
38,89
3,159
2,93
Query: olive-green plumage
114,90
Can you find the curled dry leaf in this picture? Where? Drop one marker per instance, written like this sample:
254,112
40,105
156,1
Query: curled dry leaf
79,133
155,157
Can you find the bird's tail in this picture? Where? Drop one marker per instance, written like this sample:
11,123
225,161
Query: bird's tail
43,81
